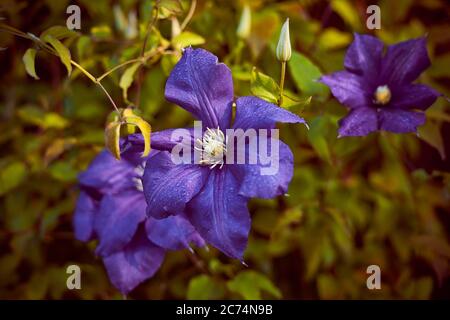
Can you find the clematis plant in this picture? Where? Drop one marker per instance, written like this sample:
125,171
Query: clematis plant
213,193
112,208
378,88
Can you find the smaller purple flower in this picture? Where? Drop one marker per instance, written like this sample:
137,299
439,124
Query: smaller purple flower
112,208
378,88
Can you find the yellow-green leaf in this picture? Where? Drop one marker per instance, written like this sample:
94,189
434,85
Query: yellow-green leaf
145,128
101,32
187,38
306,74
250,284
317,138
333,38
63,52
28,60
290,101
264,86
58,32
169,7
127,79
112,138
348,12
204,287
431,134
11,176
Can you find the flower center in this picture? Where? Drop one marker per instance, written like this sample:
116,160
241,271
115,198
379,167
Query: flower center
213,147
139,170
382,95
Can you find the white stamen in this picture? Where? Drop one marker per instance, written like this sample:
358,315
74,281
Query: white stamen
213,147
382,95
139,170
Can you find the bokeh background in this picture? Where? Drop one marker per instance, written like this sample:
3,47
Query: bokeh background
382,199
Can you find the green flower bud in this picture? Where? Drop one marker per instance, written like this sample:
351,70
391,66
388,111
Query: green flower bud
284,50
243,30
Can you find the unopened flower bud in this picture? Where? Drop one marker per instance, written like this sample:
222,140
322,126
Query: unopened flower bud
284,50
176,28
243,30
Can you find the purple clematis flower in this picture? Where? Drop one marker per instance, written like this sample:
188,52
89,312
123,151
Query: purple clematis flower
213,193
112,208
378,88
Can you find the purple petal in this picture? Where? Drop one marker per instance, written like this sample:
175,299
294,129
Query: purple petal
414,96
107,174
137,262
118,219
359,122
165,140
173,233
256,113
364,55
405,61
131,149
220,214
202,86
168,186
275,177
400,121
348,88
83,219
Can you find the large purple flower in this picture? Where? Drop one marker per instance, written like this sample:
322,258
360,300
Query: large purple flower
213,193
112,208
378,88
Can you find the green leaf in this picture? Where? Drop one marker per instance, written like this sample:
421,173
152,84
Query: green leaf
101,32
28,60
317,138
333,38
265,24
63,52
83,45
170,7
186,39
241,72
63,171
440,66
127,79
204,287
306,74
430,132
328,288
168,62
264,86
58,32
45,120
54,120
249,284
291,101
347,10
12,176
112,138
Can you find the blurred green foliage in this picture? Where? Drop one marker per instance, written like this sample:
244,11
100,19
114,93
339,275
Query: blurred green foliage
382,199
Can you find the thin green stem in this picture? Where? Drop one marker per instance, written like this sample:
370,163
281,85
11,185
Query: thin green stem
49,49
283,74
107,73
83,70
110,99
97,82
189,15
150,26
